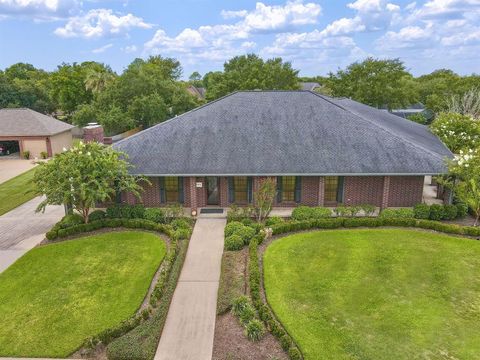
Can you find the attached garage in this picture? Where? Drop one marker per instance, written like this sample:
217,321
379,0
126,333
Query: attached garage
34,132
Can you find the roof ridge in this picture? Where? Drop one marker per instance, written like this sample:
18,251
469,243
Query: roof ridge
176,117
414,144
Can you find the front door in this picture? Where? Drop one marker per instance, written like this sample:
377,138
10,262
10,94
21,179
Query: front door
212,191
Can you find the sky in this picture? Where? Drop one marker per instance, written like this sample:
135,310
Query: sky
315,36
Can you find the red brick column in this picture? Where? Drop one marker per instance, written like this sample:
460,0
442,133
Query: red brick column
191,193
386,192
223,191
321,191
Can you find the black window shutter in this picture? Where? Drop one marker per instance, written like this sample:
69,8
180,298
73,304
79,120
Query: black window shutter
298,189
249,190
161,185
340,189
279,189
231,190
180,190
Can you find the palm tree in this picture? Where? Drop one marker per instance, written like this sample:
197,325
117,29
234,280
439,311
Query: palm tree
96,81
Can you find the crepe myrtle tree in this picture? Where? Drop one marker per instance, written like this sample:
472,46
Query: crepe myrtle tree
263,199
84,176
464,179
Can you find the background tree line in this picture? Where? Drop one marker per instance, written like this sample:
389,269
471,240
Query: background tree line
150,91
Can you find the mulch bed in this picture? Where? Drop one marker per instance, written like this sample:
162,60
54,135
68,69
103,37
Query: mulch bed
230,343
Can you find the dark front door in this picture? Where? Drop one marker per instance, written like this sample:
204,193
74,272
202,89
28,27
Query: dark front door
212,191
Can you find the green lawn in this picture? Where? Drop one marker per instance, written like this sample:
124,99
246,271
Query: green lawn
14,192
377,294
57,295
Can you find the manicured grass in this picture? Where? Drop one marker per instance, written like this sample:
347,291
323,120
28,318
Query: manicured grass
16,191
57,295
377,294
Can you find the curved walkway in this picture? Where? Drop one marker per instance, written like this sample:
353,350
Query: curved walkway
190,325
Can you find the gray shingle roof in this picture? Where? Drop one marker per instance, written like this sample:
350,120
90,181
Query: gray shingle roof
285,132
26,122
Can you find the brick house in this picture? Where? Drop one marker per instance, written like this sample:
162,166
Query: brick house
321,151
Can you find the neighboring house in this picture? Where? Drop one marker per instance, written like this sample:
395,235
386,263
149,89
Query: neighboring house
321,151
309,86
198,92
412,110
34,132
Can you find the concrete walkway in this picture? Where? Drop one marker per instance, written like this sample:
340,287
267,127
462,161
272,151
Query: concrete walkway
190,325
9,168
21,229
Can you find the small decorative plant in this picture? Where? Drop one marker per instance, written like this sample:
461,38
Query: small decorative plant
26,154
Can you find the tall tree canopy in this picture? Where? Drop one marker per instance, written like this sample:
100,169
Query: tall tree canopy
250,72
379,83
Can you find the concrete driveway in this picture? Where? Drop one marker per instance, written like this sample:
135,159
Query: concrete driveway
190,325
11,167
21,229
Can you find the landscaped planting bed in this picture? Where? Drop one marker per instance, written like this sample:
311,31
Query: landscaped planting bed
376,293
58,295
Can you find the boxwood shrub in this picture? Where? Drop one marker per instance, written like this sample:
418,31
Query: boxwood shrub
421,211
307,212
97,215
233,243
397,213
232,227
437,212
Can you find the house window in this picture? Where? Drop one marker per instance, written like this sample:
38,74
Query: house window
240,186
333,189
288,188
171,189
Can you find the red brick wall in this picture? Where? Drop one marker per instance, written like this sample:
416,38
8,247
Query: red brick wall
405,191
390,191
363,190
310,190
93,134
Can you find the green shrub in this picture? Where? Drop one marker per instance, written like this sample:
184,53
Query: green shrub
239,304
357,222
437,212
155,214
273,220
321,212
126,212
233,227
246,233
462,210
367,209
26,154
341,210
247,314
294,353
352,210
97,215
254,330
302,213
71,220
397,213
400,221
286,342
180,223
421,211
173,211
450,212
233,243
181,234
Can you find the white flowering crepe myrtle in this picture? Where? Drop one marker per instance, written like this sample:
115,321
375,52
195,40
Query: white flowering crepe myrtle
458,132
84,176
464,179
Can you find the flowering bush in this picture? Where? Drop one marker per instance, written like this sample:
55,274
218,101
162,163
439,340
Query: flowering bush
458,132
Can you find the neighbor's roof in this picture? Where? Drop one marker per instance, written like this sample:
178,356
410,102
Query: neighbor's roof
285,132
310,86
26,122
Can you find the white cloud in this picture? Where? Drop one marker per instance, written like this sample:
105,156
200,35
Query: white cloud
447,8
407,37
345,26
248,44
39,9
272,18
129,49
98,23
229,14
102,49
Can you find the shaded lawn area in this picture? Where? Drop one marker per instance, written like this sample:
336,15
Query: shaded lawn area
16,191
377,294
57,295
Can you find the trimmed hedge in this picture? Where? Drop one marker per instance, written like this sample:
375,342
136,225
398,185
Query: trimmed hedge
57,232
307,212
397,213
234,243
335,223
264,312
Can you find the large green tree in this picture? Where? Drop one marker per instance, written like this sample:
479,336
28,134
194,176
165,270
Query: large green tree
84,176
379,83
250,72
458,132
